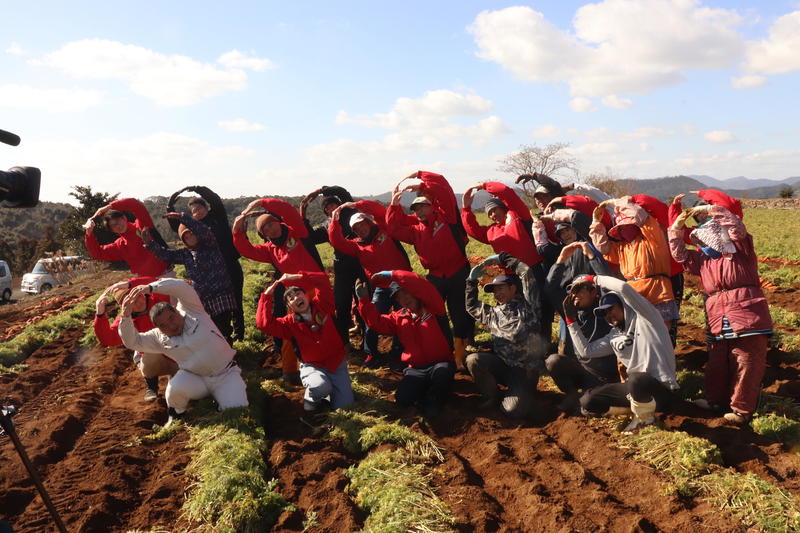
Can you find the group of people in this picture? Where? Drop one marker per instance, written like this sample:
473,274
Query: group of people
610,270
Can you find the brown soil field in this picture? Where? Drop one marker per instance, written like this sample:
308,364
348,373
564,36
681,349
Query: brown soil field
82,410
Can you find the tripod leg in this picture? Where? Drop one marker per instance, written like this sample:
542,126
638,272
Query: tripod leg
8,428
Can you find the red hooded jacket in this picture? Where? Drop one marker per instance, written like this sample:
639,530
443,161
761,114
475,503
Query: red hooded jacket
107,333
129,246
290,257
434,241
513,236
421,336
323,347
382,252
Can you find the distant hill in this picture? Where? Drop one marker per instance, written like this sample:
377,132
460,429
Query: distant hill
744,183
668,187
30,223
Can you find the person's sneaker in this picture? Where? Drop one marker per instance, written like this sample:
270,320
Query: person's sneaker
735,418
150,395
174,417
636,424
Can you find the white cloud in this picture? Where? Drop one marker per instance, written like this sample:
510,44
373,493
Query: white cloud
547,131
141,166
240,124
169,80
645,147
616,102
237,59
579,104
51,100
720,136
616,46
647,132
596,149
434,109
15,49
778,54
689,130
748,82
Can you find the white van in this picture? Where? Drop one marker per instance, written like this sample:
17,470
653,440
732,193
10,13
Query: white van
5,282
51,272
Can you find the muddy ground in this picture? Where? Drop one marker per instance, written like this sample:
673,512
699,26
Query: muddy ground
82,415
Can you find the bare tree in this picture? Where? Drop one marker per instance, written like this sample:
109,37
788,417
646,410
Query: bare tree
553,160
610,183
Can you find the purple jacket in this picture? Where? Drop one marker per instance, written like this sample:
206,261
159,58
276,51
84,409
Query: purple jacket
731,282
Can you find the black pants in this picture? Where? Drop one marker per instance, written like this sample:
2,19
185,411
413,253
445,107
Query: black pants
488,369
237,280
571,376
224,322
426,384
278,310
345,275
642,387
453,291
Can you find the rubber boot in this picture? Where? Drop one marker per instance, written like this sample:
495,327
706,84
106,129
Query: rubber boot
291,374
460,352
643,415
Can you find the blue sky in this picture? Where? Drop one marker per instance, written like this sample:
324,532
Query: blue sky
279,98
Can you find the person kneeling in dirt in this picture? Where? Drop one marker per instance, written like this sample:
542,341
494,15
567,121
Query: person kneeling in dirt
422,327
151,365
642,344
518,346
571,372
186,334
311,324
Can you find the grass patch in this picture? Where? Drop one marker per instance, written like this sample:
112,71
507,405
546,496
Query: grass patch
693,309
782,276
784,317
692,384
779,428
781,405
752,500
36,335
230,492
675,452
397,492
361,432
162,434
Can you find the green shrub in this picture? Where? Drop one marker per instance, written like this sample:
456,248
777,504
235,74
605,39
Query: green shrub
674,452
777,428
692,384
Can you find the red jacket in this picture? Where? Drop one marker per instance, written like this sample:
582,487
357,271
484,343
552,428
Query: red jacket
323,347
434,241
585,205
291,256
422,337
513,236
129,246
107,333
381,253
731,283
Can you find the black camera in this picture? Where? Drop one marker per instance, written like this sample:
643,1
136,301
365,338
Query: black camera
19,186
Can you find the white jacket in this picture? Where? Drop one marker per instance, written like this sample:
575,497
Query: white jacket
644,346
200,348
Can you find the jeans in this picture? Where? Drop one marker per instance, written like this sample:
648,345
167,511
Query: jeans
426,384
488,369
321,383
640,386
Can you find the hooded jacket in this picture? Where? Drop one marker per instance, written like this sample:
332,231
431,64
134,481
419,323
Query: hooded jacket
289,253
514,234
731,282
426,338
129,246
643,345
381,252
322,347
438,245
645,261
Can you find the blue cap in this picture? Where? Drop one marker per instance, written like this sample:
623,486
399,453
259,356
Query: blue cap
502,279
606,301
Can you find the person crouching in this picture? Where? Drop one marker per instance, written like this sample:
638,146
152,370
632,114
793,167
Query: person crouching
519,347
422,327
187,335
311,324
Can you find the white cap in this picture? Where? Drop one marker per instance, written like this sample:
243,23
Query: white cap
360,217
